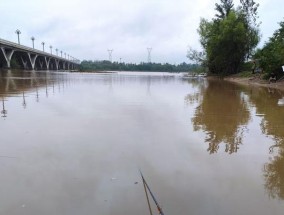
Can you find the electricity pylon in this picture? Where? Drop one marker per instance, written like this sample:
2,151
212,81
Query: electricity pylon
149,54
110,54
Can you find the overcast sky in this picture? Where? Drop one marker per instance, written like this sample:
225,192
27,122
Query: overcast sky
86,29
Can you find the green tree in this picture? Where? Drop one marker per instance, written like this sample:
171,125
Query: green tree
224,8
115,66
271,56
249,8
229,39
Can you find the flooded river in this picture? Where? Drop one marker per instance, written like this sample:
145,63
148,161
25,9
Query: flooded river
73,143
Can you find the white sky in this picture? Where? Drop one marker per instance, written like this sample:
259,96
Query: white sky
85,29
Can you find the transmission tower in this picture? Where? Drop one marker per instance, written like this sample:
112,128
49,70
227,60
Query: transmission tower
110,54
149,54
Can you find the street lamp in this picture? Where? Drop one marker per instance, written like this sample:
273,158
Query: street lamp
61,53
56,51
50,49
18,32
42,43
33,40
65,55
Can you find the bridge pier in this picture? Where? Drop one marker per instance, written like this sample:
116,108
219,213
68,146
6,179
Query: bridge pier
32,58
47,61
57,64
8,56
41,64
25,63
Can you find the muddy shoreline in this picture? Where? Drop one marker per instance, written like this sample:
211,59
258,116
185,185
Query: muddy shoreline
256,81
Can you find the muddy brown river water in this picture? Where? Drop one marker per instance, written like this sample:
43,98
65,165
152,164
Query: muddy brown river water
72,144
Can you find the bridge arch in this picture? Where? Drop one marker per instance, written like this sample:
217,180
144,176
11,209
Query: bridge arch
20,60
3,62
7,53
40,63
52,64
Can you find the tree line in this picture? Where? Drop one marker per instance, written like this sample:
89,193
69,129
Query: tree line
89,65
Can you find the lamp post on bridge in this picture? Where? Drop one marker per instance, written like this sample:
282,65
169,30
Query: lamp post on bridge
56,51
68,57
33,40
61,53
65,55
42,43
18,32
50,49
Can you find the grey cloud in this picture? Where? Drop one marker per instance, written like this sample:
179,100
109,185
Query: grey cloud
87,28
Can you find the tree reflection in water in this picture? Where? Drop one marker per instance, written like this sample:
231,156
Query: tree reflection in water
274,174
266,103
196,97
223,115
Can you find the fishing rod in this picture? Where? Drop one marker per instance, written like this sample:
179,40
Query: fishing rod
152,195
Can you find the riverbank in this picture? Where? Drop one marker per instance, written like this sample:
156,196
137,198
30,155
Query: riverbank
96,71
255,81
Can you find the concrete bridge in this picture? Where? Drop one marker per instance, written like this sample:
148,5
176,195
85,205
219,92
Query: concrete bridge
33,59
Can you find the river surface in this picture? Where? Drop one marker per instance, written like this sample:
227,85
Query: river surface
73,143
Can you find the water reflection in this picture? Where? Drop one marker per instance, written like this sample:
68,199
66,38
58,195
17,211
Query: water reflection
266,102
199,86
26,84
78,131
3,111
274,174
281,102
223,114
18,83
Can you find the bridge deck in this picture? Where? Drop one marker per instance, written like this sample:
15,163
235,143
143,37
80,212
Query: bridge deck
18,47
